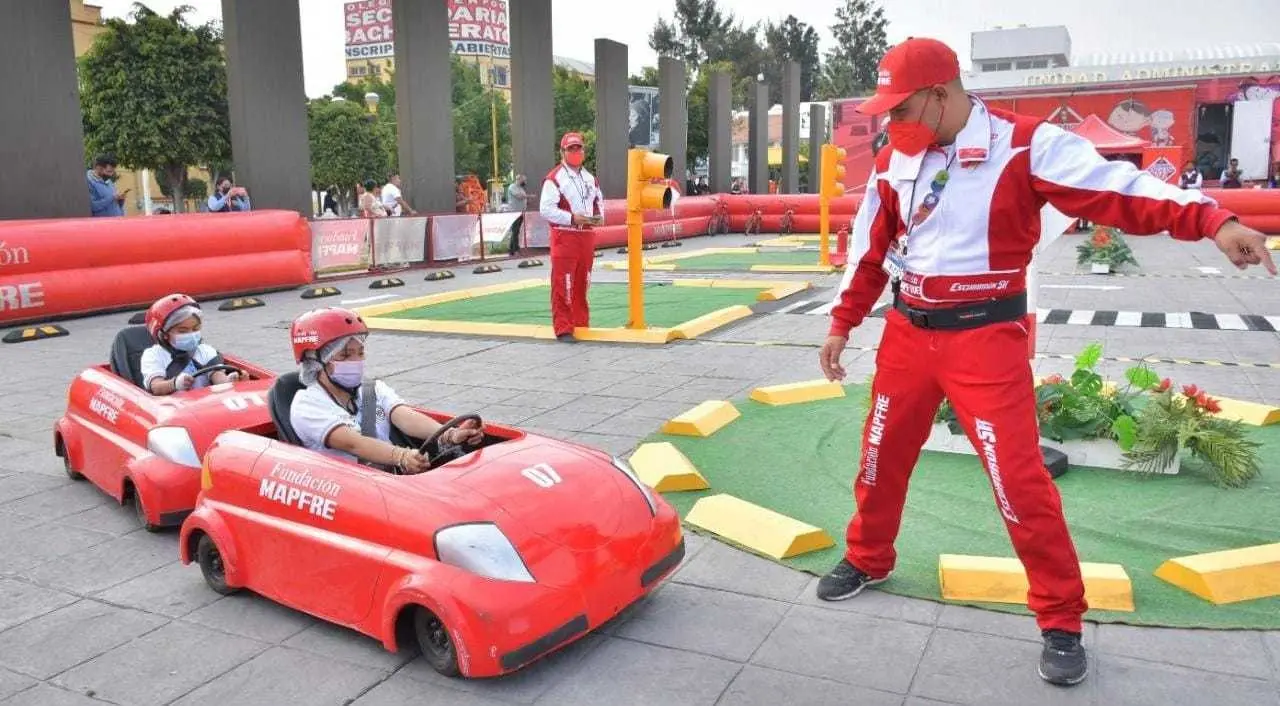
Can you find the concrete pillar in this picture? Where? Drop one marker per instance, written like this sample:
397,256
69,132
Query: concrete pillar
613,112
817,138
790,128
268,102
673,112
533,137
424,104
720,132
758,140
43,175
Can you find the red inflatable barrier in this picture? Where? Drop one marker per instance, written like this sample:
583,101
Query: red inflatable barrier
655,231
1247,202
56,268
1269,224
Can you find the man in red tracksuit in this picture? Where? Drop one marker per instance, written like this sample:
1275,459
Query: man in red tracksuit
950,218
571,203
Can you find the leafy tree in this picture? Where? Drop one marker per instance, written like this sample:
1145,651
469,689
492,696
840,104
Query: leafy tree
347,146
575,108
648,76
698,137
697,24
154,92
473,126
792,40
860,40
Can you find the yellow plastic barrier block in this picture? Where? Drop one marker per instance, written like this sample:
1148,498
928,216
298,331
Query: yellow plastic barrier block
1273,243
662,467
756,528
712,321
990,579
793,268
797,392
625,335
783,290
1229,576
1259,415
703,420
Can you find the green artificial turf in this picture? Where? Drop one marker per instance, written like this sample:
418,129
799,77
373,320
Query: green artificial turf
800,461
744,261
665,305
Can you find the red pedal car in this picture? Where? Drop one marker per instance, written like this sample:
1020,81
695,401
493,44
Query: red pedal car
499,555
144,448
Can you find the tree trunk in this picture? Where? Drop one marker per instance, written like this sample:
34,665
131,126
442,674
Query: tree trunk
177,175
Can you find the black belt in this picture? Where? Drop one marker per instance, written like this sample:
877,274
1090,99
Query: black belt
966,317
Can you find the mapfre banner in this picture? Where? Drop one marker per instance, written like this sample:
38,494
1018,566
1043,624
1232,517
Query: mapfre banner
455,237
370,31
537,234
340,245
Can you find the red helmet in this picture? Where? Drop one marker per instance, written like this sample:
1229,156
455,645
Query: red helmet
315,329
165,307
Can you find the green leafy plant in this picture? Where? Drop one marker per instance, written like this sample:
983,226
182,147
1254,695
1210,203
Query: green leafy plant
1171,422
1105,246
1144,417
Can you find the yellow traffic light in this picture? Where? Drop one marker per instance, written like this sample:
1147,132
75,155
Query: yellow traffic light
643,167
832,171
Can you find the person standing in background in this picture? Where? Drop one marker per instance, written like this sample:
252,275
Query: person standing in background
392,199
103,200
519,199
572,204
1191,176
229,198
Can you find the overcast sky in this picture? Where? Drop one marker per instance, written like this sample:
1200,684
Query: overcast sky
1095,25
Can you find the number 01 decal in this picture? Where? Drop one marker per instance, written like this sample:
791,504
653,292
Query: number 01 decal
543,475
239,403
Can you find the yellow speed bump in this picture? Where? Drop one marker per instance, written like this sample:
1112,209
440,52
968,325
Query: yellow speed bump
756,528
797,392
1228,576
1259,415
703,420
711,321
991,579
662,467
35,333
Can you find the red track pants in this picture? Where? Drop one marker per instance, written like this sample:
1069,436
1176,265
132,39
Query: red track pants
985,374
572,255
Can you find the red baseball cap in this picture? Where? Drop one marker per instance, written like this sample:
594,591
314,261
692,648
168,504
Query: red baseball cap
570,139
915,64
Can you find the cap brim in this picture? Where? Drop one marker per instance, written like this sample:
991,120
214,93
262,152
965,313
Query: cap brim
882,103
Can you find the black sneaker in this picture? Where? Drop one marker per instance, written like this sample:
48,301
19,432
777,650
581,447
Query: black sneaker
844,581
1063,661
566,338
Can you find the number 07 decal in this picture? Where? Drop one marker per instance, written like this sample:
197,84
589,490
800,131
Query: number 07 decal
543,475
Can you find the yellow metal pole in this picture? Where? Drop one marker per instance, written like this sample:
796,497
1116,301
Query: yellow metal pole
635,242
493,119
824,230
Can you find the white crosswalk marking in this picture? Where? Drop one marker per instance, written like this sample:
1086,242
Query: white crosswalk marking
1041,315
792,307
1177,319
1128,318
1274,321
1081,317
1231,322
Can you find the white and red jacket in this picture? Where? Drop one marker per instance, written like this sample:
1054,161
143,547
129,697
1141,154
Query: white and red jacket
978,240
566,192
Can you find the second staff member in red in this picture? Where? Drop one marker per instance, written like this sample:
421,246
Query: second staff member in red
950,218
571,203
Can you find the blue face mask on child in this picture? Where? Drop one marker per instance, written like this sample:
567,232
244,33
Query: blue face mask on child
185,342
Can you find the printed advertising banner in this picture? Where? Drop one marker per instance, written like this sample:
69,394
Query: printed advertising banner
455,237
645,122
537,234
340,245
370,32
480,27
495,229
399,241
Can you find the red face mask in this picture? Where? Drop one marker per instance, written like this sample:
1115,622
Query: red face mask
913,137
574,158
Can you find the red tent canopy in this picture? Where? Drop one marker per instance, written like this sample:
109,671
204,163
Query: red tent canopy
1107,139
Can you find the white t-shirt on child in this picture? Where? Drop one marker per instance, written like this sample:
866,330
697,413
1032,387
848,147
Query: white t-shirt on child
156,360
314,415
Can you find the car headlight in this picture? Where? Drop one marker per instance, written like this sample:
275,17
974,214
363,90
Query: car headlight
645,490
482,549
173,444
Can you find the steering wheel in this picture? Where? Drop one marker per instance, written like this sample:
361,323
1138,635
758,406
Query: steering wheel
458,451
215,368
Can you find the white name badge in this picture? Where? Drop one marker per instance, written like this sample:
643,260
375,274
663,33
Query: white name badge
894,264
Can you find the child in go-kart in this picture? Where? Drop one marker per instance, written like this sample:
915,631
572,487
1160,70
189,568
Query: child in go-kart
170,365
329,347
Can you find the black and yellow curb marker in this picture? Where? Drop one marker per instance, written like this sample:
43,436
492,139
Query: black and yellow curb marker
439,275
386,283
35,333
241,303
317,292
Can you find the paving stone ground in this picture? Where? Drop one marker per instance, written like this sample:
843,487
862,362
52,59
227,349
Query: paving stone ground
93,610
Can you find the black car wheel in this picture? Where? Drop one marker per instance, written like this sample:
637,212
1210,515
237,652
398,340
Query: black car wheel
210,560
72,473
435,643
140,512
